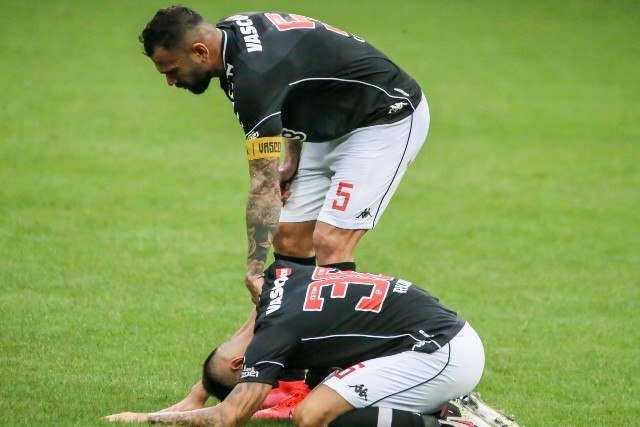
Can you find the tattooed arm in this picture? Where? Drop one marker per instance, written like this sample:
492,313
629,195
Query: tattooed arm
263,211
236,409
289,167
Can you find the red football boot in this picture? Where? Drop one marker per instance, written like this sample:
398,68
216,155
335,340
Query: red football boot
289,395
283,392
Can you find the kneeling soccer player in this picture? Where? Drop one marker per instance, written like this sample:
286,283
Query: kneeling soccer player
397,351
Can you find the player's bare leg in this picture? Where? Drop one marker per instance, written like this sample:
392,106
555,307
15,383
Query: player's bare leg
333,244
294,239
320,407
329,244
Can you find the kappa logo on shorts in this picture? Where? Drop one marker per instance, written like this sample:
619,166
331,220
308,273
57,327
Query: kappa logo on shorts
365,213
276,293
361,390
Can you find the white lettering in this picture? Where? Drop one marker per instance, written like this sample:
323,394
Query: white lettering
277,292
401,286
251,37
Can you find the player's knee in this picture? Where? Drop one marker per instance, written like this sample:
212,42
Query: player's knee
325,242
292,241
307,415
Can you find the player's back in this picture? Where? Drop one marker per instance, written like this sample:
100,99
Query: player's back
320,81
339,318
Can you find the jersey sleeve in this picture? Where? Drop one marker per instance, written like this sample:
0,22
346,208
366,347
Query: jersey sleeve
257,107
267,355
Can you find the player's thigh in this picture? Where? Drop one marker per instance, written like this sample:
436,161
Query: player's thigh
320,407
310,185
367,168
409,381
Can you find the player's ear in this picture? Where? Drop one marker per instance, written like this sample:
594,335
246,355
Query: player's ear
236,363
200,50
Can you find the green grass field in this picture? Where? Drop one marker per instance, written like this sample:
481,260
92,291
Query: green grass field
122,203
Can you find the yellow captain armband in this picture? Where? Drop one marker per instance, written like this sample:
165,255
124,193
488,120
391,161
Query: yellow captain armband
268,147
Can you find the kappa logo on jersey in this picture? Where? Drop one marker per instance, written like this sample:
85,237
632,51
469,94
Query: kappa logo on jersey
249,373
292,134
398,106
423,342
250,34
282,275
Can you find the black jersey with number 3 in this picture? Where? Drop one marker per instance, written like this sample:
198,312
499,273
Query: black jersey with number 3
292,75
314,317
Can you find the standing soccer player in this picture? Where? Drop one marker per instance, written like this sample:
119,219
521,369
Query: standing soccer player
293,79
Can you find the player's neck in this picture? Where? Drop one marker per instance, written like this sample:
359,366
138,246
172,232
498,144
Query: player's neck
215,47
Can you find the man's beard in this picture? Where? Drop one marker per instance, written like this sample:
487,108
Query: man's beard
199,86
200,83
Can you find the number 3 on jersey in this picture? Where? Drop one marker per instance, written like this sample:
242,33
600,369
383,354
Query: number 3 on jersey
339,282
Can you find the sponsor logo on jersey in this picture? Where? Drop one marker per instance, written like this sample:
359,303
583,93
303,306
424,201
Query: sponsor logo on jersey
249,373
229,75
401,286
249,34
292,134
282,275
237,18
253,135
398,106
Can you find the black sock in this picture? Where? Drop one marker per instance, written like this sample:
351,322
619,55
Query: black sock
344,266
291,375
373,417
316,376
301,261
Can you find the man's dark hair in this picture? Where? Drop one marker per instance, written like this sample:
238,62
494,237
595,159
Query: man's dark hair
168,28
212,385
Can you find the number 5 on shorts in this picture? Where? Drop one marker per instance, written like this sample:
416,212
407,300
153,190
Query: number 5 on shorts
341,193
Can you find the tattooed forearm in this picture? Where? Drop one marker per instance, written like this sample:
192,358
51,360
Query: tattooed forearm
200,417
237,408
245,398
263,211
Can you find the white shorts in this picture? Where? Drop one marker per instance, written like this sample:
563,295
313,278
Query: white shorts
414,381
348,182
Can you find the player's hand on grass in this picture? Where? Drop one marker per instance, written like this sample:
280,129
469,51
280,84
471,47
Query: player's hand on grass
254,284
186,404
196,399
288,171
128,417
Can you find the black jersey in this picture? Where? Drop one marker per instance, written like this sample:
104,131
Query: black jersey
292,75
313,317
